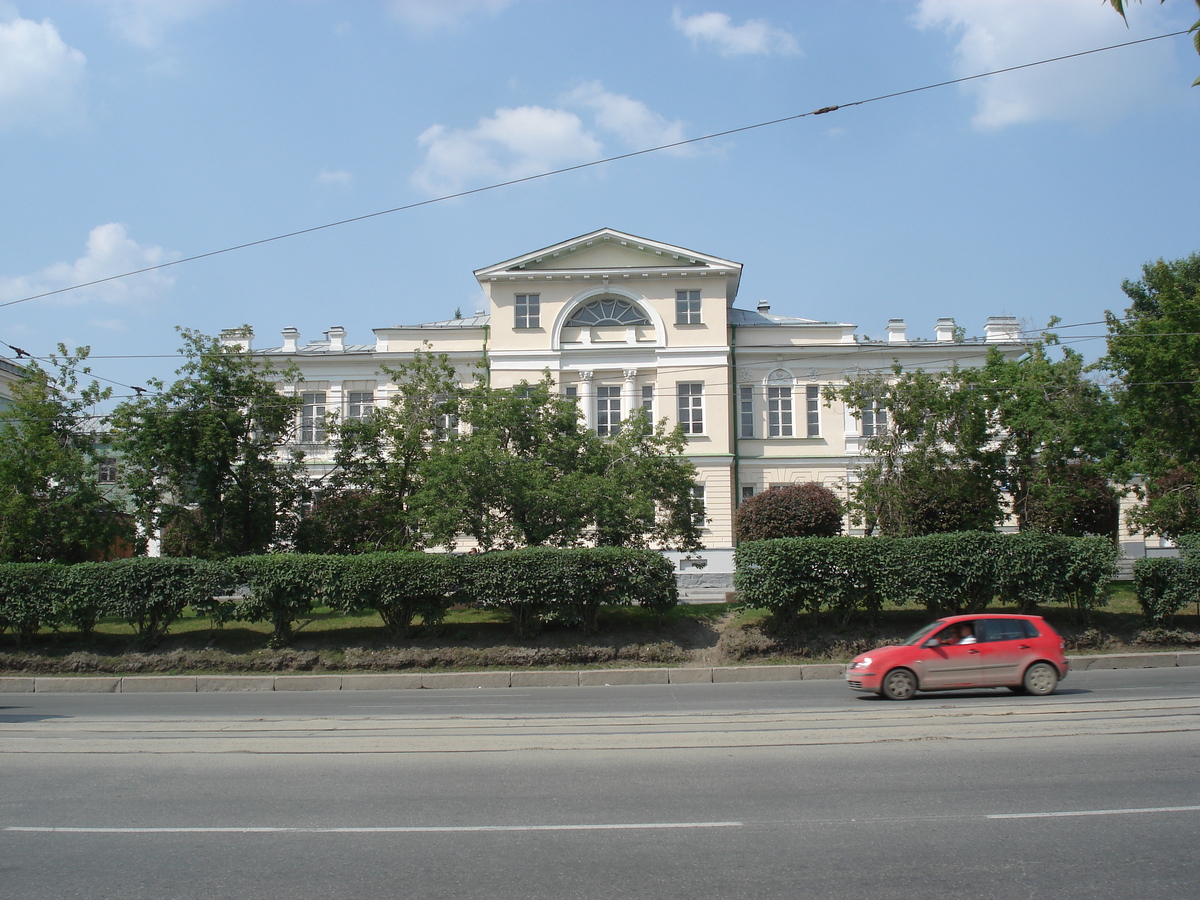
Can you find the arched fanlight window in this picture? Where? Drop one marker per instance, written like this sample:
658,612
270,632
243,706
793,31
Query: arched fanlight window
608,311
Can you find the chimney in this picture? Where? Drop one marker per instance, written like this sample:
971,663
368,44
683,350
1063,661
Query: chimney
944,330
337,339
896,331
764,306
1002,330
291,337
238,337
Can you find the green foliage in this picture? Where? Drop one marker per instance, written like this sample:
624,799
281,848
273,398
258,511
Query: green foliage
1036,430
283,587
638,488
366,503
29,594
948,573
528,473
399,586
206,458
51,507
149,594
793,510
1164,586
1154,349
538,583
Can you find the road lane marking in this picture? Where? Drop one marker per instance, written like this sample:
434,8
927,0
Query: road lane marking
1094,812
382,829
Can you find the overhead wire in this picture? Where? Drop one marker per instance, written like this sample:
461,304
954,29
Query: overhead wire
585,165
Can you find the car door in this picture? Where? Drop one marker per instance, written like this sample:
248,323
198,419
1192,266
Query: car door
949,665
1005,650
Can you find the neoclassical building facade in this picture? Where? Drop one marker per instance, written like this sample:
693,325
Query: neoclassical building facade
626,324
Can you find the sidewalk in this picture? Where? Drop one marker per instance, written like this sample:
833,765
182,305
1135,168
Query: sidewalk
129,684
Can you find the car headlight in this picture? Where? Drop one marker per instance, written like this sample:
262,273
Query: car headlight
861,663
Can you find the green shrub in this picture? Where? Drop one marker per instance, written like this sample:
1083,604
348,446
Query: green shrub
1165,585
399,586
29,595
283,587
792,510
148,593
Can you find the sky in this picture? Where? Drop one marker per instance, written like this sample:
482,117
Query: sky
140,132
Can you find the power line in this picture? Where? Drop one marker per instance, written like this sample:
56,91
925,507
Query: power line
575,168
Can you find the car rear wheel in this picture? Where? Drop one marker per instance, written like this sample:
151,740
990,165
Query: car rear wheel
899,684
1041,679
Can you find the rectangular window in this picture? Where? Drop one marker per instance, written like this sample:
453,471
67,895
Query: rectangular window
812,400
359,404
648,401
445,423
691,408
874,419
528,311
571,392
687,307
779,411
608,410
747,491
312,418
699,517
746,411
108,471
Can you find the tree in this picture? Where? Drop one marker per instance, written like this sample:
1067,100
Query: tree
791,510
527,473
365,504
1120,7
51,505
931,464
1154,350
1059,434
206,461
640,493
517,477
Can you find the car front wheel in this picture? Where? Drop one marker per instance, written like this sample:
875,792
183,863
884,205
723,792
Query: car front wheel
899,684
1040,679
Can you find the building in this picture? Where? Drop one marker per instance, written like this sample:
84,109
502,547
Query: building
624,324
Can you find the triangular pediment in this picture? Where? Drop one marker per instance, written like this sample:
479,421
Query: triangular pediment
609,249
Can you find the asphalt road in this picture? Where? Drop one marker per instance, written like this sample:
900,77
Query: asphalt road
691,791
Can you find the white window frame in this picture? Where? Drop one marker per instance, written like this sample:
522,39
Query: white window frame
312,417
527,311
700,517
360,404
812,410
746,411
780,420
873,419
687,307
608,410
107,471
648,402
690,406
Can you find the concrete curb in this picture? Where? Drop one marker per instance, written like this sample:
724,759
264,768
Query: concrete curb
130,684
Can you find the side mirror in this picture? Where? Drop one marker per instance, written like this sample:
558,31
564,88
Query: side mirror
932,642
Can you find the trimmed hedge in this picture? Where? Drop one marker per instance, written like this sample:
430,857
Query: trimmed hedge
947,573
534,584
1165,585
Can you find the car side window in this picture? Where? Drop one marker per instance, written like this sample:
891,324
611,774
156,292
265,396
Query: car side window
1002,629
1030,629
985,631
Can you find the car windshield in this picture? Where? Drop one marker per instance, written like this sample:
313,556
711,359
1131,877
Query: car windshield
921,633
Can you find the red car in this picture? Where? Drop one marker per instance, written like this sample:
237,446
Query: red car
1021,653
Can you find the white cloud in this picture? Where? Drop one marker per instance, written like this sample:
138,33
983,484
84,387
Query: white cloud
635,124
994,34
41,78
145,23
428,16
338,177
109,252
514,143
753,37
